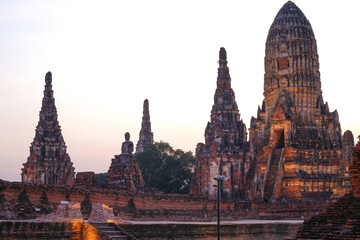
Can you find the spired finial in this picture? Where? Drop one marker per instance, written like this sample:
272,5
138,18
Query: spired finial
222,55
48,78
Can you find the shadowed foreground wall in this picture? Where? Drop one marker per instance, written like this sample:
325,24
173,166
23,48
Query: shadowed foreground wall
75,229
266,231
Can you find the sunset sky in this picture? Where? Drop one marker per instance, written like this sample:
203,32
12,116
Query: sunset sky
106,57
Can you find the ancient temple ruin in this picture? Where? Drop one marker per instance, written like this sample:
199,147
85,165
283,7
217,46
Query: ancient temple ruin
145,136
48,162
225,142
296,149
124,172
295,138
342,219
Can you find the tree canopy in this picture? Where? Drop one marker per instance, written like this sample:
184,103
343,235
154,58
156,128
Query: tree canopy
166,169
100,177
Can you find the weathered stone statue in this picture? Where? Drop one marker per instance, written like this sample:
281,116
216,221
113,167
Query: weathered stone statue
127,146
124,172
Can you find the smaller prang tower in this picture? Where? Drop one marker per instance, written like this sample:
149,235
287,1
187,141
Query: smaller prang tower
145,136
48,162
225,142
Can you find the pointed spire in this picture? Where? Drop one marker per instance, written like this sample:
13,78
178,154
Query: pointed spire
48,123
146,107
48,78
48,162
225,116
223,80
222,56
145,135
48,102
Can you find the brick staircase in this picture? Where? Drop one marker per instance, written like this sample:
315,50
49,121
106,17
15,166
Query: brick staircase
110,231
271,176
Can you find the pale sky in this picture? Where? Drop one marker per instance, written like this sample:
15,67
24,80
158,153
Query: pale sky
106,57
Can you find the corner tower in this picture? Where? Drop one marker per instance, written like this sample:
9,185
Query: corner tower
48,162
145,136
225,142
296,139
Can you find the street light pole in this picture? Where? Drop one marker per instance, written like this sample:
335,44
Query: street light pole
219,179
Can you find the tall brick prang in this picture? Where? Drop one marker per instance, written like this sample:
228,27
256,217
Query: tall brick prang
225,142
295,138
145,136
48,162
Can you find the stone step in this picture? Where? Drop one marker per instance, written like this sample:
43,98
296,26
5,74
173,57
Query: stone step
120,237
110,230
270,181
105,227
113,232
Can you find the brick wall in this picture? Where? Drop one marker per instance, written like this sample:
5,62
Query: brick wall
64,202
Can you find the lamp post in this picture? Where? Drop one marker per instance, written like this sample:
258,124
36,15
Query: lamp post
219,179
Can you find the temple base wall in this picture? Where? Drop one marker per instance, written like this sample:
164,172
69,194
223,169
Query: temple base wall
65,202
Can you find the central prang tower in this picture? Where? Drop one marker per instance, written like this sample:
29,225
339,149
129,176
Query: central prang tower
292,87
295,138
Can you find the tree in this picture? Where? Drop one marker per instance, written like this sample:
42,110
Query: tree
166,169
100,177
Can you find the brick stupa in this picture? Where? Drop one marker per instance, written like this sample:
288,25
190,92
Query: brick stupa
48,162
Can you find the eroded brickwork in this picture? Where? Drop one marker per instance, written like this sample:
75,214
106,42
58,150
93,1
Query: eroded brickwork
48,162
145,136
342,219
355,171
86,179
344,178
